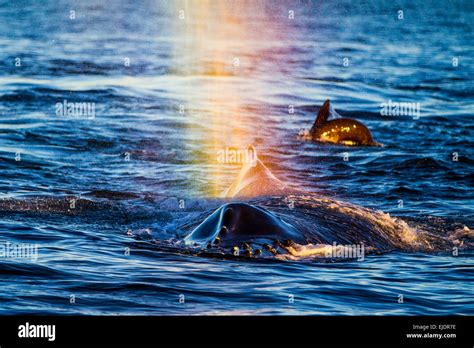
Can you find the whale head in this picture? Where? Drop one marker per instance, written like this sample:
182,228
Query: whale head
243,226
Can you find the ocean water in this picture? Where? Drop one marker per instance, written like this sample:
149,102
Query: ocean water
170,84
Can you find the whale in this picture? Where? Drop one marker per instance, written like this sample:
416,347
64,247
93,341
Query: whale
259,216
344,131
256,222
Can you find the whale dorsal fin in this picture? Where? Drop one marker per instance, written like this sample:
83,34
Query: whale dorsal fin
254,179
322,117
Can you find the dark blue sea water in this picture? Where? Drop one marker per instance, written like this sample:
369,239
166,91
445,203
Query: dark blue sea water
174,82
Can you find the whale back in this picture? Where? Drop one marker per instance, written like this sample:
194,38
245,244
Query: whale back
345,131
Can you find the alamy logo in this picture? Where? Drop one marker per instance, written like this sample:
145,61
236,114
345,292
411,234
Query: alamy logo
19,251
354,251
238,156
83,109
400,109
37,331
